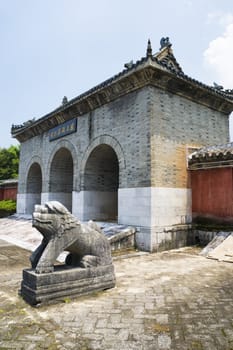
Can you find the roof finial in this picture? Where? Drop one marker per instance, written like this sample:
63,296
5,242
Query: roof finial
64,100
149,49
164,42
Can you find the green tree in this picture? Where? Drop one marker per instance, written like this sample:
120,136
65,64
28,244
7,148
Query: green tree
9,162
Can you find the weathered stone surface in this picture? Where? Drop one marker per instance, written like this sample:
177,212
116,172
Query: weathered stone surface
123,240
214,243
224,251
90,253
172,300
65,282
87,245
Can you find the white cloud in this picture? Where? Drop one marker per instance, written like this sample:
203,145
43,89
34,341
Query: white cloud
221,18
219,56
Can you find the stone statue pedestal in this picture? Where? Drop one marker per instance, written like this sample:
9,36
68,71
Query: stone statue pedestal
88,267
65,282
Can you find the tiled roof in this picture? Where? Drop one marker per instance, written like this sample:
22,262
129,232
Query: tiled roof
210,156
8,182
179,72
163,59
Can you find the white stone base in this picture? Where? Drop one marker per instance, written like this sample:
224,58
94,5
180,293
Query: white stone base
154,206
173,237
26,202
154,210
161,215
78,204
44,197
134,206
21,203
95,205
171,206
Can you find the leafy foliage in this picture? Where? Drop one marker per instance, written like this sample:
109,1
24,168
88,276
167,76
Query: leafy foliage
9,162
7,207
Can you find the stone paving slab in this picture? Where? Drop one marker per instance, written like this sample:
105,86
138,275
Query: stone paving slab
171,300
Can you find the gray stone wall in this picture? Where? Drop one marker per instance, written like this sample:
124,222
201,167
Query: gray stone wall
123,124
126,121
30,153
173,121
148,132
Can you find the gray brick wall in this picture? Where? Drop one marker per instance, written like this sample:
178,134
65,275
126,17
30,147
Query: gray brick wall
124,124
151,129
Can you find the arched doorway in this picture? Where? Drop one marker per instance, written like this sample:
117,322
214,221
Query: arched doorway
101,182
33,187
61,178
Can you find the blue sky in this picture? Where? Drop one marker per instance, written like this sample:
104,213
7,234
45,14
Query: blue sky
52,48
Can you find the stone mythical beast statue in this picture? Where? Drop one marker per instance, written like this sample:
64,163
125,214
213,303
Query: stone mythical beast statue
61,231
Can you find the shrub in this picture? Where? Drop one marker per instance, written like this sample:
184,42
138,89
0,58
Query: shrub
7,207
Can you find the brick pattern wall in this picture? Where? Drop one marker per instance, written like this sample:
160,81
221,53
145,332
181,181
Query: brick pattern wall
101,171
175,124
149,130
124,121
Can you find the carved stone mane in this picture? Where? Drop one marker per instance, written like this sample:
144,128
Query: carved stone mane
61,231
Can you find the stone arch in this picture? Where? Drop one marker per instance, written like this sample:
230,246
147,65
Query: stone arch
110,141
63,144
55,162
101,167
61,177
33,185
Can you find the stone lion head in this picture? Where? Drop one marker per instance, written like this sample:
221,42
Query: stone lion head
53,219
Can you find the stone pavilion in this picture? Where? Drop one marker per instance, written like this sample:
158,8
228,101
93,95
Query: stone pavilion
120,150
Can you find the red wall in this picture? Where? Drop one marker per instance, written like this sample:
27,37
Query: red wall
212,192
8,193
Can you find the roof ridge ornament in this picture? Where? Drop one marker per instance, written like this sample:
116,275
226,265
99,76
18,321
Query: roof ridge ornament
64,100
129,65
149,49
217,86
164,42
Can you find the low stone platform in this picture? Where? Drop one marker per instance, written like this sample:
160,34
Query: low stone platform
65,282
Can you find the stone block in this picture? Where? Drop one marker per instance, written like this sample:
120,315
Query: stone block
65,282
143,239
21,203
123,240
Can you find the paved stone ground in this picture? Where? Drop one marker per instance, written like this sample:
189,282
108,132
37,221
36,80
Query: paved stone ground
171,300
